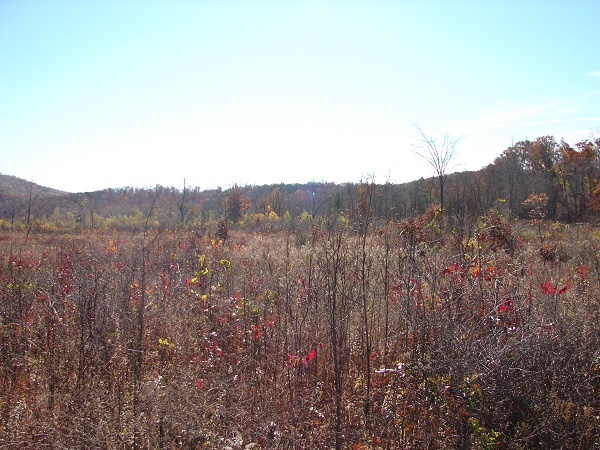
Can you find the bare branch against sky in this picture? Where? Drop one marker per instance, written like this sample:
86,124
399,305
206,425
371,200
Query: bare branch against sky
438,152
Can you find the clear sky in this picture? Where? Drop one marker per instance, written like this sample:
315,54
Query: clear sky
108,93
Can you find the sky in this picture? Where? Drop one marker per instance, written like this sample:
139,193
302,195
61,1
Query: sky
107,93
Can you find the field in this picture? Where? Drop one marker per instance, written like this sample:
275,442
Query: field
395,336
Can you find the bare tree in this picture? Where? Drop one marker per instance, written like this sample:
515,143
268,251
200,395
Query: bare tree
438,153
184,201
33,194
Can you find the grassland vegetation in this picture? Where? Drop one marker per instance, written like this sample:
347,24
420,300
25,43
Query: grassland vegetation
333,333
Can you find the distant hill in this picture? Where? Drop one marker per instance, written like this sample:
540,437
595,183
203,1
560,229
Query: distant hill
18,187
17,196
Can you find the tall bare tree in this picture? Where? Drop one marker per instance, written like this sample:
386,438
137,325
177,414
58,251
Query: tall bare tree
33,194
438,153
184,201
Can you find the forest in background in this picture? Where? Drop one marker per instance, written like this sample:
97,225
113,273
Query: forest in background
543,177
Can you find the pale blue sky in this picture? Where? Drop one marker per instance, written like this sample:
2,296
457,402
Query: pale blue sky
97,94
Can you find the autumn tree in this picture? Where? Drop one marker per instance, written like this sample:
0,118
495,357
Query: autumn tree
509,174
579,175
541,157
236,203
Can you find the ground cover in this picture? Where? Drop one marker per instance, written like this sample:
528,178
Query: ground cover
398,335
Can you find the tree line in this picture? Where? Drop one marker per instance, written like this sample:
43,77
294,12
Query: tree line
541,178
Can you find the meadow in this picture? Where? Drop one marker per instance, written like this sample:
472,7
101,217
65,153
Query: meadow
395,335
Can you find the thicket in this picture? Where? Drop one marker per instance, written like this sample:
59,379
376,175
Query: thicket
343,332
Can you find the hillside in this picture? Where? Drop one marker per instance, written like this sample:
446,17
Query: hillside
14,186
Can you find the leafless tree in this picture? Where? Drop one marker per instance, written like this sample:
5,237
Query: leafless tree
438,153
184,201
33,194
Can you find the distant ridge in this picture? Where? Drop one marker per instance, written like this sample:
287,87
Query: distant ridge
11,186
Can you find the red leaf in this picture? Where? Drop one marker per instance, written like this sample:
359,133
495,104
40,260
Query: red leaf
311,354
505,306
547,288
563,289
453,268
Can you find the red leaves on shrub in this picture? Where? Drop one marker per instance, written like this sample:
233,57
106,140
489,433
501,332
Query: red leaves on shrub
507,315
582,272
452,268
563,289
505,306
547,288
475,271
23,261
308,357
293,360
